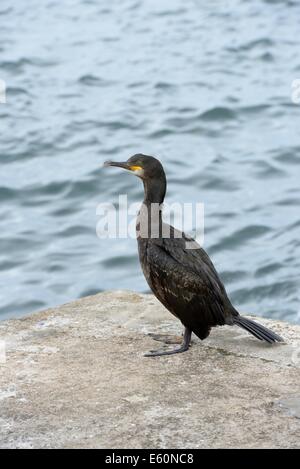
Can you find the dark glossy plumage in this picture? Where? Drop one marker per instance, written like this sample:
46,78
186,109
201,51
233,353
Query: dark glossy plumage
184,280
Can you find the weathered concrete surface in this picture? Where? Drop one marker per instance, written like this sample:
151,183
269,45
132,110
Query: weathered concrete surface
75,376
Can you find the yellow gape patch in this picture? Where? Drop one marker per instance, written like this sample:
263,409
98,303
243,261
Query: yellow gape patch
135,168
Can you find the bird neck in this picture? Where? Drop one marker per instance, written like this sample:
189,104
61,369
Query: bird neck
154,190
149,222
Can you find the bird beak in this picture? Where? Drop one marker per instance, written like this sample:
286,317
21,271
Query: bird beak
117,164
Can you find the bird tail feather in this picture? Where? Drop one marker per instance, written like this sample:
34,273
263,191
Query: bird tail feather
259,331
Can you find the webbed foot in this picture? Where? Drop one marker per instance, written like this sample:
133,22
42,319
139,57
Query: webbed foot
166,338
183,348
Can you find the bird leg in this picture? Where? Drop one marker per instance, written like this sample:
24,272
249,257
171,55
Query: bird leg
183,348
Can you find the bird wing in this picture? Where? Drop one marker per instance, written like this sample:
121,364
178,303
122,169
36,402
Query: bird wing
192,294
189,253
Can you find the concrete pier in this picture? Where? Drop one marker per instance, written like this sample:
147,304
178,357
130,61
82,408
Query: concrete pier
75,377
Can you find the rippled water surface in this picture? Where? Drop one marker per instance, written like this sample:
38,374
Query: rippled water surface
205,86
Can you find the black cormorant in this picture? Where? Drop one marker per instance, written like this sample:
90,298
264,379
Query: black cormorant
183,279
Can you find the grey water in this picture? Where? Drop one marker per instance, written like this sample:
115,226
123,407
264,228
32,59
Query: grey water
204,86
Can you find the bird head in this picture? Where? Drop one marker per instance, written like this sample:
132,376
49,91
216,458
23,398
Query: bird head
143,166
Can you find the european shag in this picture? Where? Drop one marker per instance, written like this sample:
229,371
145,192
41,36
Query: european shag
178,271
